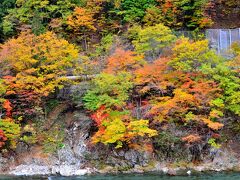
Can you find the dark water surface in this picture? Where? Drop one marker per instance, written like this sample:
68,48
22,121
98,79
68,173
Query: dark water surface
206,176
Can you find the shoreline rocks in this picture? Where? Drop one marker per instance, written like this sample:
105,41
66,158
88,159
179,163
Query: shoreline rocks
37,170
72,170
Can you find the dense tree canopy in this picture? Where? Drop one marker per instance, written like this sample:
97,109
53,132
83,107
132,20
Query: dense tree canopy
134,10
108,16
38,62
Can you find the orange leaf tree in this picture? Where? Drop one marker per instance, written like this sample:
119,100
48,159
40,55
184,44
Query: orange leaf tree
123,60
177,89
2,138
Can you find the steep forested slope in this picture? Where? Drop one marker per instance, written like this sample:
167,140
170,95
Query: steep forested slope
147,89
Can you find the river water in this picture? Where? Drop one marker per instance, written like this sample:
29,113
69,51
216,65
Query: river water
206,176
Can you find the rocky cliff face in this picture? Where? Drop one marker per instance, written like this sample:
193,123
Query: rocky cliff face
79,157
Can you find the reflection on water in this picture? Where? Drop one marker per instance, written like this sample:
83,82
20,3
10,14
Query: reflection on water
206,176
22,178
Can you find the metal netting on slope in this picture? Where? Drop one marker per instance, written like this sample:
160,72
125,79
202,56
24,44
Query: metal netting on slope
222,39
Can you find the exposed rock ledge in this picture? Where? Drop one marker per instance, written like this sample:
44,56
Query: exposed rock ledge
72,170
68,165
64,170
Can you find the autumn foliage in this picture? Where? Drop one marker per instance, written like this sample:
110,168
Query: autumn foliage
35,67
2,138
123,60
119,128
7,106
99,116
123,64
38,62
173,89
81,20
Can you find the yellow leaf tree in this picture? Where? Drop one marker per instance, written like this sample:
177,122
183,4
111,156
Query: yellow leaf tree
81,22
36,65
